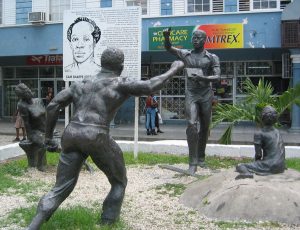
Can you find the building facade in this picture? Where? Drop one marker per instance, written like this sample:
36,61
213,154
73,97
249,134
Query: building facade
31,46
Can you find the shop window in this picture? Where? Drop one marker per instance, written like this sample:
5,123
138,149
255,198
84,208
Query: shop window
198,6
166,7
10,98
105,3
142,3
59,71
56,9
26,72
264,4
259,68
8,72
46,72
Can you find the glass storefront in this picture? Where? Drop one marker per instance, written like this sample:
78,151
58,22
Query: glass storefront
38,79
230,89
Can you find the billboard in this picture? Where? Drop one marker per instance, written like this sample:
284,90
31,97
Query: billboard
87,33
219,36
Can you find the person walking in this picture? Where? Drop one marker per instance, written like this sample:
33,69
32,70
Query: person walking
157,116
151,105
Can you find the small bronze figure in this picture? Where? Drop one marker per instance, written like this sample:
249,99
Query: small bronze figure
269,149
33,112
201,68
96,101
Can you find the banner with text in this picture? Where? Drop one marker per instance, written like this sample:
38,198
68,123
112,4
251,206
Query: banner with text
219,36
87,33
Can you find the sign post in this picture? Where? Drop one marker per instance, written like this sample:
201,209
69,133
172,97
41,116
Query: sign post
109,27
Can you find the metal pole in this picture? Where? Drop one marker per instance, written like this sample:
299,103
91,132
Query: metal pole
136,128
67,119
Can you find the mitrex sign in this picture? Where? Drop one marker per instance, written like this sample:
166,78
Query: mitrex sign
219,36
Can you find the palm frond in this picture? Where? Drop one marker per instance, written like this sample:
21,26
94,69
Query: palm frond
226,136
232,113
288,98
262,93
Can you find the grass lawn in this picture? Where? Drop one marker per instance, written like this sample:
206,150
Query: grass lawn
85,218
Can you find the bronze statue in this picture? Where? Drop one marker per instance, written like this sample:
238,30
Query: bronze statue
33,112
269,149
96,101
201,68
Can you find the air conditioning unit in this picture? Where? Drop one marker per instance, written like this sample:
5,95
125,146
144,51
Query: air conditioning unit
37,17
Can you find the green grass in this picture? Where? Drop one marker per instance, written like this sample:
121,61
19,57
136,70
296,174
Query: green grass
245,225
73,218
293,163
88,219
234,225
171,189
153,159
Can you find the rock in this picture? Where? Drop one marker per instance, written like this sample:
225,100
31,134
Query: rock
264,198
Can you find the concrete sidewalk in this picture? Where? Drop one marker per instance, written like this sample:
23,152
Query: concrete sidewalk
242,134
172,141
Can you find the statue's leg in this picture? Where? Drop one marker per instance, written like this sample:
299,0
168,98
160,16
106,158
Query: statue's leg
244,172
29,150
41,158
192,135
205,119
109,158
66,177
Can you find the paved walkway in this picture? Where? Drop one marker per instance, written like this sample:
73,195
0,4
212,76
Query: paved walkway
242,135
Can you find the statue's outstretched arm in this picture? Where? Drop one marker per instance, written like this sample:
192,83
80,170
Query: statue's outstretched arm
61,100
139,88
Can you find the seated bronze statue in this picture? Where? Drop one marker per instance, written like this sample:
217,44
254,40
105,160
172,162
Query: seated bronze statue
269,149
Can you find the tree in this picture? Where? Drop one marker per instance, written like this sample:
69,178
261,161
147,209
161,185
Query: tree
249,108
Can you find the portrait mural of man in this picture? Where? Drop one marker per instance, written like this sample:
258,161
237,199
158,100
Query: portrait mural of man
83,35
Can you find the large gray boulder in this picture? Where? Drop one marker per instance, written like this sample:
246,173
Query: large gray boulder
264,198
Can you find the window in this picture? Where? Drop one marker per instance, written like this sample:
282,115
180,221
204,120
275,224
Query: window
230,5
166,7
198,6
1,7
22,10
142,3
264,4
105,3
290,34
57,8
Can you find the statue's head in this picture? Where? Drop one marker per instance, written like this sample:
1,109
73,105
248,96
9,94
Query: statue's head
113,59
23,92
268,116
198,39
83,34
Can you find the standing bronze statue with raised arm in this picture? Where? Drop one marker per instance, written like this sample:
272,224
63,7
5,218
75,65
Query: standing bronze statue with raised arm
96,101
201,68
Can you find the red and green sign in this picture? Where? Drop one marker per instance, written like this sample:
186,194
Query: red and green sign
219,36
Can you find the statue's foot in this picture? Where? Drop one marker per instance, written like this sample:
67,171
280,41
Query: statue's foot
202,164
192,169
41,168
244,176
105,221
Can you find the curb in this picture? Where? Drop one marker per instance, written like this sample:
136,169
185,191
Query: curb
175,147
